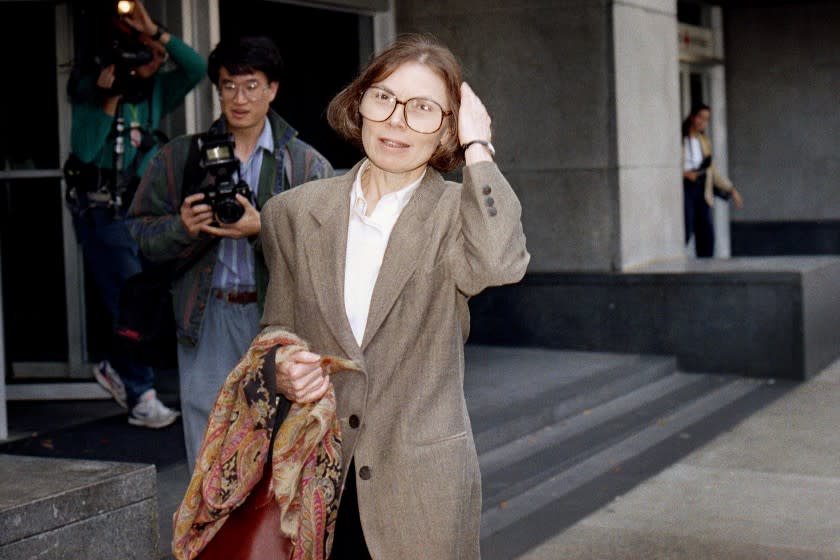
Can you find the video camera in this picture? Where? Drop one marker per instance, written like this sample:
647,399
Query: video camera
127,54
124,49
219,160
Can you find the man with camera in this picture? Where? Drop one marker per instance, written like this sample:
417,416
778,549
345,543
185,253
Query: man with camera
116,113
201,195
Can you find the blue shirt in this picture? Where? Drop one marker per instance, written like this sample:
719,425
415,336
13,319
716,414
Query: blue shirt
234,271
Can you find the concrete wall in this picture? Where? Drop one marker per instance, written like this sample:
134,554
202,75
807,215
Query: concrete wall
647,115
783,75
544,70
583,110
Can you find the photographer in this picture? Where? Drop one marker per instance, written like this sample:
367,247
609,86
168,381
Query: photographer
116,114
218,301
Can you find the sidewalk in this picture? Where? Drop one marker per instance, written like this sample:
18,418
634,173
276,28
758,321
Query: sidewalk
767,489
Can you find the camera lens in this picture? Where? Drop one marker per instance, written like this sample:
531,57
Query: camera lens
228,210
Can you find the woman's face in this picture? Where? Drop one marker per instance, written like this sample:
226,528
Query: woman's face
391,145
701,120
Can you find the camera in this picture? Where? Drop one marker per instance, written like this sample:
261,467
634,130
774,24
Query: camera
126,54
219,160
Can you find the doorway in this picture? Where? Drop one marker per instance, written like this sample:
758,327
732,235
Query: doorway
38,257
314,68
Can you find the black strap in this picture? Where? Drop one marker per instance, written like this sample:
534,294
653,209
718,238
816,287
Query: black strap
193,174
284,405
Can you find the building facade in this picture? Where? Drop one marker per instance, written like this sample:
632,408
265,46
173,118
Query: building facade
587,98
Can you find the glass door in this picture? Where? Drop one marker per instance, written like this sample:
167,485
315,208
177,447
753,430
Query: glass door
41,278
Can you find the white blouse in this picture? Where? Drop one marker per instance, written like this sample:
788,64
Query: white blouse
367,238
693,154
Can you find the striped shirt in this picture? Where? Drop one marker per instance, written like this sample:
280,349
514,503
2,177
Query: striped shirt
234,270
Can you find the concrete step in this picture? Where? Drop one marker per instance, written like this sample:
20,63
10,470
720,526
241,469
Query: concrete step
508,401
54,509
614,427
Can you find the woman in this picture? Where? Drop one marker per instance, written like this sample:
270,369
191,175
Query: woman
701,182
376,266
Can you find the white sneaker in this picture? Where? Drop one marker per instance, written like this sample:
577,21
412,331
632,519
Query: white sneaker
149,412
110,381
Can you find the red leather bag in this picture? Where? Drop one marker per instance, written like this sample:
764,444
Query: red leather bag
252,531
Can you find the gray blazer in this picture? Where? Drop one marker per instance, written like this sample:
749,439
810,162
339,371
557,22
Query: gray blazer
403,418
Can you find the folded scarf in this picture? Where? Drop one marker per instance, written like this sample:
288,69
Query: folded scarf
306,455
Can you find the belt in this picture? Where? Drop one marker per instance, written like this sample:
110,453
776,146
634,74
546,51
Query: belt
240,298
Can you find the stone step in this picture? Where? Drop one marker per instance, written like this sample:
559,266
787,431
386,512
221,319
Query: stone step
509,402
540,483
513,468
54,509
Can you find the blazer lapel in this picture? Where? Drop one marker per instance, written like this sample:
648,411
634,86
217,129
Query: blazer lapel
408,239
326,256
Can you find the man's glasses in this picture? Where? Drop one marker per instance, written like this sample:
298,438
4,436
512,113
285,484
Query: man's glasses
253,90
421,114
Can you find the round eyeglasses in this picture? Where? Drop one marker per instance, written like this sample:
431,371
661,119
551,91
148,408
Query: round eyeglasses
252,89
420,114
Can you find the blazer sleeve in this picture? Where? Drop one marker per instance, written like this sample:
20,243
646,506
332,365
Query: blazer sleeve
277,243
490,248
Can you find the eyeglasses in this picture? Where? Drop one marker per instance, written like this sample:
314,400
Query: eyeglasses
253,89
421,114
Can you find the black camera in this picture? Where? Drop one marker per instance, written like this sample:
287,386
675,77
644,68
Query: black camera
126,54
219,160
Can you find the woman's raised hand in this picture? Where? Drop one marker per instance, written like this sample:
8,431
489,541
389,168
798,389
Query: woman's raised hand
473,124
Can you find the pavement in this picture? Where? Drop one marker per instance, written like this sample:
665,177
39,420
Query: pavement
769,488
766,487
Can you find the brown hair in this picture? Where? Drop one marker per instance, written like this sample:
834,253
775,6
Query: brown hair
343,111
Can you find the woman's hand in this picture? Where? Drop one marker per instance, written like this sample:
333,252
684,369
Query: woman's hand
473,124
736,198
301,379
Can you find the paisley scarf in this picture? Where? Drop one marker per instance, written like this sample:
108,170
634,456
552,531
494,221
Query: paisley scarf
306,455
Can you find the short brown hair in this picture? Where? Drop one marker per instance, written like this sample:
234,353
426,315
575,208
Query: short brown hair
343,111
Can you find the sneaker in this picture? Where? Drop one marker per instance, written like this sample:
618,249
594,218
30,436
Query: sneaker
149,412
110,381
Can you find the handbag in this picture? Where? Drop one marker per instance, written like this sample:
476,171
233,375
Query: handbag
252,531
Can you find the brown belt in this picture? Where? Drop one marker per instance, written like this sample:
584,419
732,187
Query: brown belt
240,298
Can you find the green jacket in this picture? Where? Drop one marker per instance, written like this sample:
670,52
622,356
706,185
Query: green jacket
91,138
154,218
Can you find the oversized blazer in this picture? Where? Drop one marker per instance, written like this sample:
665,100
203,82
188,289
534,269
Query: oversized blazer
403,419
714,179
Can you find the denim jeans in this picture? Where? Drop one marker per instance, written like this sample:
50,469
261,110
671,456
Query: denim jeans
226,333
112,256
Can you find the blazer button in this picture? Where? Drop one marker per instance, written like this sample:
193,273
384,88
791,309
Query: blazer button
486,189
492,211
353,421
364,473
489,201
